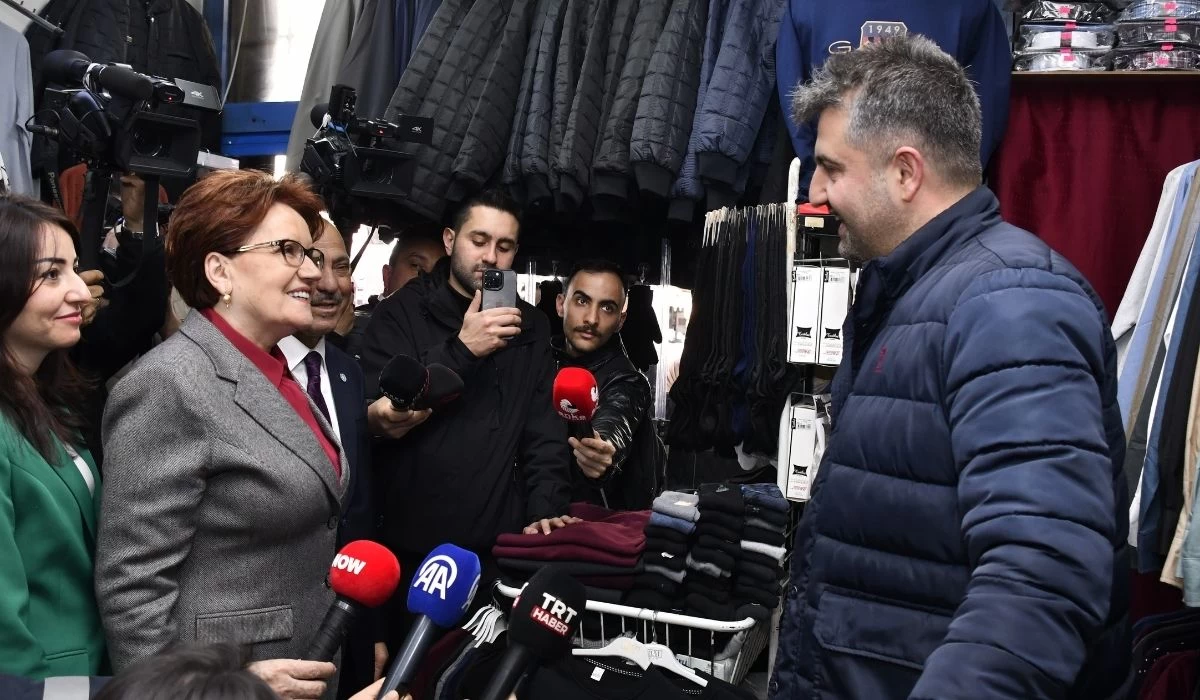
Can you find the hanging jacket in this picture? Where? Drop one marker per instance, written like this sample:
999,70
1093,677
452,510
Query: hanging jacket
611,171
970,30
167,38
533,172
483,147
966,534
369,62
739,92
668,102
522,119
624,417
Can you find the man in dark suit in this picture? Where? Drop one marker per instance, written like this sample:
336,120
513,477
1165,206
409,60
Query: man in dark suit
334,382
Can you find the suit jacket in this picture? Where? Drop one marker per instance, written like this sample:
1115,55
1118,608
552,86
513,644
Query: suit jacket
220,510
49,625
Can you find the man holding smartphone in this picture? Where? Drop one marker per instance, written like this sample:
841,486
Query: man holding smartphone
496,459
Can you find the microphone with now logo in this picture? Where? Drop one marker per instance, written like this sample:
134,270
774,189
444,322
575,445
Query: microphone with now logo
363,575
575,396
441,591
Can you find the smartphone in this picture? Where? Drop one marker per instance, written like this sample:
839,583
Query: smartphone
499,289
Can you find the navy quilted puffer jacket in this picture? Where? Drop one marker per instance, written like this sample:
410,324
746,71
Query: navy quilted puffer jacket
966,537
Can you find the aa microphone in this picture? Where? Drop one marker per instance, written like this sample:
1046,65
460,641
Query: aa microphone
544,618
440,593
444,387
67,67
403,380
576,396
363,575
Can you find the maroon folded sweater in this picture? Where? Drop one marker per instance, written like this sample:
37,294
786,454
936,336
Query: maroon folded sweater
619,533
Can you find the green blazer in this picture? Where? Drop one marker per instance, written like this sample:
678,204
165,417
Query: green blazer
49,622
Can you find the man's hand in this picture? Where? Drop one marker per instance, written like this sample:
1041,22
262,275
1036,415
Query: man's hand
384,420
381,656
485,332
372,690
293,679
594,455
546,525
93,278
133,201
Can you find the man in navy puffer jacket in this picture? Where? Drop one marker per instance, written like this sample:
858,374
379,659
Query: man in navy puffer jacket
966,534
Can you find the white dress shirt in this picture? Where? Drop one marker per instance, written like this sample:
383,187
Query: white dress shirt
294,353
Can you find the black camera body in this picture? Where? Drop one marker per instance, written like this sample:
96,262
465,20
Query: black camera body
356,164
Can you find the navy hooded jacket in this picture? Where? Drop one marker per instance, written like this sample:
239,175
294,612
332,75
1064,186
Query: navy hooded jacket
972,31
966,536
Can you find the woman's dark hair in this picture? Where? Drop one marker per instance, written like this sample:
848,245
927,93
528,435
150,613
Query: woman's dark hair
48,404
195,672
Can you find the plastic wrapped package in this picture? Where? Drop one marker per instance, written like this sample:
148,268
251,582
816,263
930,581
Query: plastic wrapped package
1161,9
1061,60
1082,12
1159,31
1164,57
1045,37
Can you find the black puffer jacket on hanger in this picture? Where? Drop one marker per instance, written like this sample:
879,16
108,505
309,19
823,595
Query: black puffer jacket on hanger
611,173
482,151
532,149
417,80
668,102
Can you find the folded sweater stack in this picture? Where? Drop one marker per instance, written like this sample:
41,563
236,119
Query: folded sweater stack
668,537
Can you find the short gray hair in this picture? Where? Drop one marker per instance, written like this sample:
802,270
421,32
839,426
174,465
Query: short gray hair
902,91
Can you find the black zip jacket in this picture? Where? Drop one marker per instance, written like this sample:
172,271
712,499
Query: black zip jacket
493,461
623,417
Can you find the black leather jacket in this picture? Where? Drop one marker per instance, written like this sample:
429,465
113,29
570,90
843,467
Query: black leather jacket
624,417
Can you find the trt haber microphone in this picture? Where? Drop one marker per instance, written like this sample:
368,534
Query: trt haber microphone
444,387
544,618
441,590
403,380
363,575
576,396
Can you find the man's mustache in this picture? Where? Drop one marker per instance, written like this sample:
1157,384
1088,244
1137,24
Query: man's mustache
319,298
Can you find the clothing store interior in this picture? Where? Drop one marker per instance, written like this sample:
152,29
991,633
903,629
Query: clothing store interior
593,367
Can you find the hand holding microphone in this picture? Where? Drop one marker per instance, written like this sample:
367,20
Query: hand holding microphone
544,618
576,396
410,391
363,575
440,593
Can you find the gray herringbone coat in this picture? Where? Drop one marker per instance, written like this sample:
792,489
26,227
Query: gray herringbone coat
220,508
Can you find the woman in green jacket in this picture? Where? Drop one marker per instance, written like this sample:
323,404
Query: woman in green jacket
49,487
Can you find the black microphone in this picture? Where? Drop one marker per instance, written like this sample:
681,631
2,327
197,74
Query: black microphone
544,618
444,387
441,591
403,380
63,66
317,114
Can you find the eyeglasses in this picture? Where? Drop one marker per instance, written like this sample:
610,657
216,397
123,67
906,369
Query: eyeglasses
293,253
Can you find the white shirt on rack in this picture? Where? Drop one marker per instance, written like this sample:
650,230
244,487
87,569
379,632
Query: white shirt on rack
294,353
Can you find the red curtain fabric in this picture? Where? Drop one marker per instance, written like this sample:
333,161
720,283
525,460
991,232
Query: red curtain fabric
1083,162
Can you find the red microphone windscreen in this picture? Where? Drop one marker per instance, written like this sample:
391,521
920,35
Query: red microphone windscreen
365,572
575,394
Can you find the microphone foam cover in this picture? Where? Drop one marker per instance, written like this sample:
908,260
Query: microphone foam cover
444,387
575,394
365,572
546,614
316,115
403,380
444,585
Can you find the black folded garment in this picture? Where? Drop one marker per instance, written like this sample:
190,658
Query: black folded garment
733,523
702,606
758,612
727,499
733,549
658,544
756,594
666,533
763,575
772,516
760,559
700,582
716,557
658,583
666,560
757,534
718,531
523,567
651,600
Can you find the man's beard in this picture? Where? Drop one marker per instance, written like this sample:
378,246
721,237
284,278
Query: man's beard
465,276
868,234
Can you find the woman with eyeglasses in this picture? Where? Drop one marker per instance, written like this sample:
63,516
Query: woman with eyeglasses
49,486
223,484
